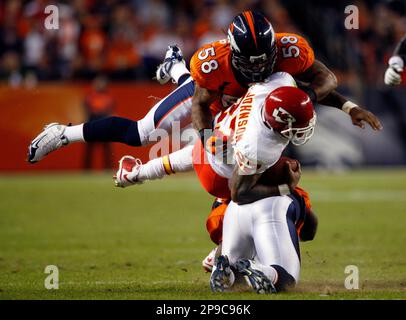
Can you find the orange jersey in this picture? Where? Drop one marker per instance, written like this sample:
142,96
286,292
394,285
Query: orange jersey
210,66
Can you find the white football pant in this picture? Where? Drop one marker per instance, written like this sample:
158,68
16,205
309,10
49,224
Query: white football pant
263,231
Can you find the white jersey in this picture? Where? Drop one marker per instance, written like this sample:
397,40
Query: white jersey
252,145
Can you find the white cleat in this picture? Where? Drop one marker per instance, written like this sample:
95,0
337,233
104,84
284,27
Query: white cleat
49,140
128,171
173,55
208,262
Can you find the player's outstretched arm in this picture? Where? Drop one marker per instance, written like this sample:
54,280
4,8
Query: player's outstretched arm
247,189
359,116
320,80
321,85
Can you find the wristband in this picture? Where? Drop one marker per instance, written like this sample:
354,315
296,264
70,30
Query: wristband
284,189
310,92
347,106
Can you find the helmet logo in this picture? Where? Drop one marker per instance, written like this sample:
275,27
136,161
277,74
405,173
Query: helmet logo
233,44
282,116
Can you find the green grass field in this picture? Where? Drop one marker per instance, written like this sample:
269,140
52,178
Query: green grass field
147,242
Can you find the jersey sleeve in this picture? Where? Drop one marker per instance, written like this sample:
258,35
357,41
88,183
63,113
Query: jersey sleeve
295,55
207,66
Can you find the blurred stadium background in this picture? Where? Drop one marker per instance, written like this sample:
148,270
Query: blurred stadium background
103,238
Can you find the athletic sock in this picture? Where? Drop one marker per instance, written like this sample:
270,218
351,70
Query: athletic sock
112,129
178,161
177,71
74,133
181,160
152,170
269,271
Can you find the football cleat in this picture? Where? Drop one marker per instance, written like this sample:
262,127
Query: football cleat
222,277
128,171
255,278
208,262
50,139
173,55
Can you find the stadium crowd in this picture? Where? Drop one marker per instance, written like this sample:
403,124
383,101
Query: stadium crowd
127,39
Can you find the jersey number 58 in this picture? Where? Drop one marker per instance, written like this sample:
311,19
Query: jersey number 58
290,51
210,65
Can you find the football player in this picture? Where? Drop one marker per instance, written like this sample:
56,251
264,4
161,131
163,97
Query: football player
393,74
221,72
260,240
248,140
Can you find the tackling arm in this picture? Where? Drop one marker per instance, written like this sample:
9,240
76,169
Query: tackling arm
321,81
358,115
321,88
246,189
201,115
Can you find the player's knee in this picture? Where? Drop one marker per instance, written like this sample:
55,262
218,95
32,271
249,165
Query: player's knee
285,279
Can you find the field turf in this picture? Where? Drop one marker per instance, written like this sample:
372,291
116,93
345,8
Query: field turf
147,242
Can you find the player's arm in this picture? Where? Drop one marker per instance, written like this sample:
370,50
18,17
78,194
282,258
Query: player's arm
246,189
321,84
201,115
320,81
358,114
393,74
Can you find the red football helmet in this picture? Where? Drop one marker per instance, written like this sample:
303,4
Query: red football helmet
289,111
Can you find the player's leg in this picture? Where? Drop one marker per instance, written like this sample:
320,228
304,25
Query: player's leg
173,67
131,171
212,182
174,108
237,243
239,246
276,240
171,113
214,226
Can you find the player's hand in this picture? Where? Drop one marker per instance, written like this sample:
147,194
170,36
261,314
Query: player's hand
359,116
217,145
393,75
294,176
